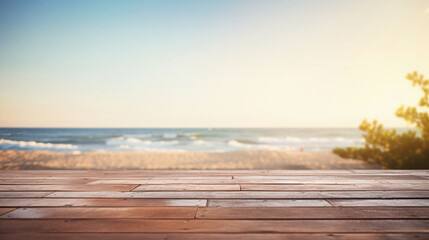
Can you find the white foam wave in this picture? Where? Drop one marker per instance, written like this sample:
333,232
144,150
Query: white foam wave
170,135
133,140
135,144
200,143
237,144
167,142
125,141
35,145
149,149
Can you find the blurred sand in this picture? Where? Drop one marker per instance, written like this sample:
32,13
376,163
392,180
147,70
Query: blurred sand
166,160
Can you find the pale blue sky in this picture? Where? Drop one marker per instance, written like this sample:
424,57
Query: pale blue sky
209,63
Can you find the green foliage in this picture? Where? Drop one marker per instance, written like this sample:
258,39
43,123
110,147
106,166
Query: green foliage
408,150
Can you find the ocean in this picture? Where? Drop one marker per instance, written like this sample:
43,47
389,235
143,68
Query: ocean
178,139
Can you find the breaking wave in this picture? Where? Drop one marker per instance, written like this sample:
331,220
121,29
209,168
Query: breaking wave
10,144
192,140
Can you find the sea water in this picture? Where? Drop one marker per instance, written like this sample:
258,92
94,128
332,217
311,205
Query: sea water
178,139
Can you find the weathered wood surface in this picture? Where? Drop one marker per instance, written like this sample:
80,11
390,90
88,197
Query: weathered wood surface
196,204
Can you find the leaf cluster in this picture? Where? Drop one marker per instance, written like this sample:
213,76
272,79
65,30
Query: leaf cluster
408,150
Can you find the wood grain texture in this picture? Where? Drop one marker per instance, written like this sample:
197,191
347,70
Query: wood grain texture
93,213
117,202
223,226
381,202
214,236
247,194
225,204
6,210
38,181
187,187
166,181
74,187
268,203
23,194
335,187
312,213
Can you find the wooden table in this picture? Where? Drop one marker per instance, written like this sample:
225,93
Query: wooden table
197,204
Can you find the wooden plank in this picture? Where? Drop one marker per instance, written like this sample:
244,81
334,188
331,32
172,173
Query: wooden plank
23,179
312,213
76,187
381,202
213,226
37,202
246,194
111,213
260,181
390,172
309,172
332,177
329,181
297,175
156,173
187,187
71,173
203,177
75,202
28,181
23,194
268,203
70,178
128,173
165,181
334,187
6,210
213,236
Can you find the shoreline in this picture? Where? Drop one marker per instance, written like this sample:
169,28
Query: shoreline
244,159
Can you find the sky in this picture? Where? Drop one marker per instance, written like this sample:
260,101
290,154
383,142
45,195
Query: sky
209,63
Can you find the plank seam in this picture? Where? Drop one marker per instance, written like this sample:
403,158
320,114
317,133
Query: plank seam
10,210
46,196
196,211
327,200
138,185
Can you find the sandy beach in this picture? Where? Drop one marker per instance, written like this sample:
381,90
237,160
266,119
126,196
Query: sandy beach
171,160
